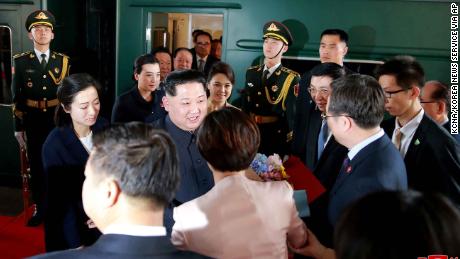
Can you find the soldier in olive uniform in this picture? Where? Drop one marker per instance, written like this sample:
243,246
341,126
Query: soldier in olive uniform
37,75
270,92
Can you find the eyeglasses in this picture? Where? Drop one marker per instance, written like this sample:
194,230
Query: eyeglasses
203,43
388,94
325,116
314,91
432,101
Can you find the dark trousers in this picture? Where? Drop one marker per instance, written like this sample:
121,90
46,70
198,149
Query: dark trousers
37,127
273,139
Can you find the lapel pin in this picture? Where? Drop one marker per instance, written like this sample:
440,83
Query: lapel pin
348,169
417,142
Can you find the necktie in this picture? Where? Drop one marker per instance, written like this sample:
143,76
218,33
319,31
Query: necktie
398,138
43,61
322,138
264,76
345,169
201,65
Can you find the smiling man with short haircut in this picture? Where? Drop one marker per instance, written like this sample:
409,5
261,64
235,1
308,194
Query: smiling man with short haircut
186,104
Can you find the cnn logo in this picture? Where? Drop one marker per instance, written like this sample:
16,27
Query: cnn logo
438,257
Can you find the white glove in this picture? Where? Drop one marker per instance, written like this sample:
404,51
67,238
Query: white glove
21,138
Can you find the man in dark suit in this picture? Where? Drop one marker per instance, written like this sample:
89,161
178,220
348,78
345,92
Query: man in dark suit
202,60
317,148
36,76
131,174
311,134
354,113
270,91
332,49
186,104
431,154
435,100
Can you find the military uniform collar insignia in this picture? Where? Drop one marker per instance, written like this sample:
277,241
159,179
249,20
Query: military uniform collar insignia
272,27
32,55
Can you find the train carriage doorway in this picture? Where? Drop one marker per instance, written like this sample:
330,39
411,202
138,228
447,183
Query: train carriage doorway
174,30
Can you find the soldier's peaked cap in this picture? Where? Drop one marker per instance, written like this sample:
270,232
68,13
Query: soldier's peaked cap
40,17
277,30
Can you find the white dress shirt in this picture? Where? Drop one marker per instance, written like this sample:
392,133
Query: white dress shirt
272,69
39,55
407,131
356,148
135,230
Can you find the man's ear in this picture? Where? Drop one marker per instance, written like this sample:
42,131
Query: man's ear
345,50
136,76
29,34
346,123
415,91
285,48
112,193
165,103
442,108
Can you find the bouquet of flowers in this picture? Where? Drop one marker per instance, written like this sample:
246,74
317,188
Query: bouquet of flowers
269,168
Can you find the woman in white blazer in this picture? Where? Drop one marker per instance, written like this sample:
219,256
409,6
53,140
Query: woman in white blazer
238,217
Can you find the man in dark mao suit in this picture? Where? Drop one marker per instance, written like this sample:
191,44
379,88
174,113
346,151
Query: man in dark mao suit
186,104
37,75
131,174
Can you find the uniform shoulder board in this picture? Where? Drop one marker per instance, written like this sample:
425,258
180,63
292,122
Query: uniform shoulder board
60,54
285,69
22,54
254,67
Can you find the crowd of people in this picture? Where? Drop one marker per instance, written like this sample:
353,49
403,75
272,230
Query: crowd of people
169,172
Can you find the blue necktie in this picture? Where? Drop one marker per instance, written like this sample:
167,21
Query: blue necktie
322,138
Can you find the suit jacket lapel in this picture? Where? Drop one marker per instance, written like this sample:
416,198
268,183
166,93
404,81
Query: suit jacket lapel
356,161
312,131
72,142
416,141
